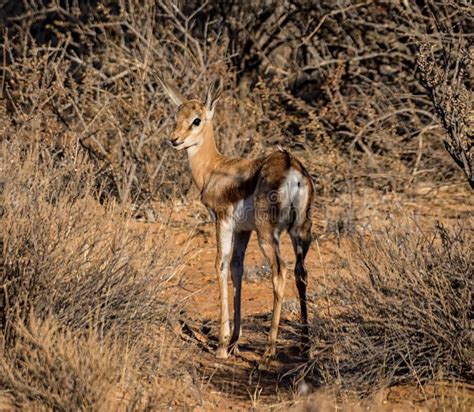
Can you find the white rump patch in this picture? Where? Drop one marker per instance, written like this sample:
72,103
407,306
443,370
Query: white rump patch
294,193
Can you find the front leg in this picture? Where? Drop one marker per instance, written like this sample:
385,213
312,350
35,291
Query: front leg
225,240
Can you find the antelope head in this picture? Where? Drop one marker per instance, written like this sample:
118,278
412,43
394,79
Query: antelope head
193,117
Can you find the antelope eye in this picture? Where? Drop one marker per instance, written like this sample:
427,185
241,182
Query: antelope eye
197,121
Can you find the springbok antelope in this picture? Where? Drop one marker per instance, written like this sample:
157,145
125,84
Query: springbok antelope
269,194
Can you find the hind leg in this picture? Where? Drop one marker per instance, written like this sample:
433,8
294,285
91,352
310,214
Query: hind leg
269,244
301,240
241,241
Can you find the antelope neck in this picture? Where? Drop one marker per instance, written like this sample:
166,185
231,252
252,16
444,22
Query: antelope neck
204,158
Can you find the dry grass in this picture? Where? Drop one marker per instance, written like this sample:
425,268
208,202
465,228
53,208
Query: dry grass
57,370
53,368
86,315
440,397
400,310
67,256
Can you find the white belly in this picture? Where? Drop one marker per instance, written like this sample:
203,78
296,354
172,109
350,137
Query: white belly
244,215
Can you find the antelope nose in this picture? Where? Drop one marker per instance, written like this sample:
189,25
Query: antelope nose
173,142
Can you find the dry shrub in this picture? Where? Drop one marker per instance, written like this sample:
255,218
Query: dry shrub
53,368
84,292
50,368
333,81
91,72
67,256
401,311
447,79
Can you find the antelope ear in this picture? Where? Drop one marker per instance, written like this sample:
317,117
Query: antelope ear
172,92
213,95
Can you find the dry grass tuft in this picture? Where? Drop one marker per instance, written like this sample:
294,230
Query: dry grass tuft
401,312
48,367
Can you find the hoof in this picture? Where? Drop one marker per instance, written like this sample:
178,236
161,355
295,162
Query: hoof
221,352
